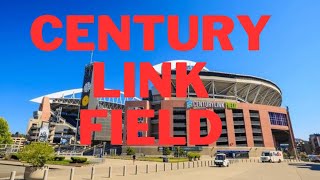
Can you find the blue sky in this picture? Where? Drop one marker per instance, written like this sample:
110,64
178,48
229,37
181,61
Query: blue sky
289,54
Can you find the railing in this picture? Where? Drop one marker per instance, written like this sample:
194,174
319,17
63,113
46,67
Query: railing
9,148
203,132
179,133
256,131
154,121
254,115
222,139
69,154
222,115
179,117
241,138
255,123
238,123
34,127
239,130
224,131
237,114
179,125
203,124
259,138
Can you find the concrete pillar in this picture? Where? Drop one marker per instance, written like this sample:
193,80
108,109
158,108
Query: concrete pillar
171,166
136,171
71,174
12,175
266,128
147,168
178,165
110,172
124,173
92,172
156,167
164,166
248,127
46,172
230,128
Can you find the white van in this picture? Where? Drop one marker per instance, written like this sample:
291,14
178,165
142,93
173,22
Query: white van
271,156
221,160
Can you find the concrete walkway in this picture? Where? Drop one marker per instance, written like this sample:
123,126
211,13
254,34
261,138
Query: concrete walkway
238,171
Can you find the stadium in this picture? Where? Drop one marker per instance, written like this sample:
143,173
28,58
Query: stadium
249,108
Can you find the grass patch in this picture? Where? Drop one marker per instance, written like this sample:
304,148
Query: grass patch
159,159
152,159
64,162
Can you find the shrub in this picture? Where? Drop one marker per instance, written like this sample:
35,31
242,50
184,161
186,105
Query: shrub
197,155
191,156
180,152
58,158
130,151
15,156
166,151
37,154
78,159
303,155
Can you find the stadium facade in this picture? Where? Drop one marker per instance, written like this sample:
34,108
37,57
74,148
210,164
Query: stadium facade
249,108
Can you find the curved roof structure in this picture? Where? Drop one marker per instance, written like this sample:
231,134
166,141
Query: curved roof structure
76,94
190,64
242,88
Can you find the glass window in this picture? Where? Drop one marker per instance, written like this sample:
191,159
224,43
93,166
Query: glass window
278,119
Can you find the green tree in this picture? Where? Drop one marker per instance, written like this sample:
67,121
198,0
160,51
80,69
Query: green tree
5,135
37,154
166,151
179,152
130,151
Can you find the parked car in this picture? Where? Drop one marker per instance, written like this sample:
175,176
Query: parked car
221,160
315,159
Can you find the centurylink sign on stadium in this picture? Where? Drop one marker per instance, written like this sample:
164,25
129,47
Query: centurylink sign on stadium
210,104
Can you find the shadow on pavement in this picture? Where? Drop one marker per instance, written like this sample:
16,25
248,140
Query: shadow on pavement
217,166
311,166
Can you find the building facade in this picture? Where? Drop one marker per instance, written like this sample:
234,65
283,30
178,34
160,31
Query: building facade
315,143
249,108
19,142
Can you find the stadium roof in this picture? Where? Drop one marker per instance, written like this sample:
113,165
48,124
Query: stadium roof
76,94
242,88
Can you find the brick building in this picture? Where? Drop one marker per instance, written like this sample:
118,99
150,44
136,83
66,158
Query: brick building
249,108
